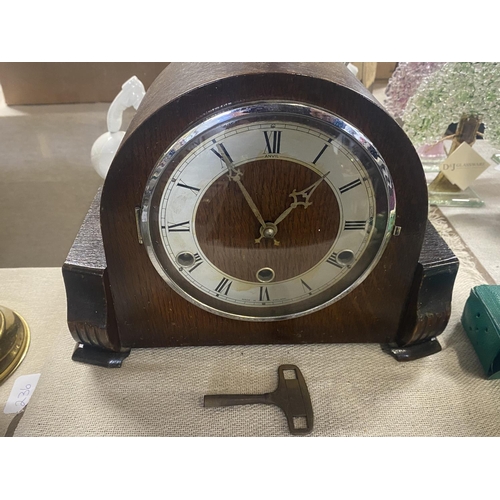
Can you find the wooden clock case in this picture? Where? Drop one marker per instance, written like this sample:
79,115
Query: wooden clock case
117,300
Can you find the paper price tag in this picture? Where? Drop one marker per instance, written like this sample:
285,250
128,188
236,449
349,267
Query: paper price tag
21,393
463,166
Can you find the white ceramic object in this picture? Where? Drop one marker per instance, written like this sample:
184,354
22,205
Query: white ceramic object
353,69
106,146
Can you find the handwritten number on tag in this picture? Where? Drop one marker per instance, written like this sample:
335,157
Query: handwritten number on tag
21,392
24,393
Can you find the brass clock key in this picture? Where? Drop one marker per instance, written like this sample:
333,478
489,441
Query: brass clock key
291,395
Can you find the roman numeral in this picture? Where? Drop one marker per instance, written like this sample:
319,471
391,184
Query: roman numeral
352,225
273,142
322,151
198,261
224,286
191,188
264,294
222,153
179,227
351,185
333,260
305,286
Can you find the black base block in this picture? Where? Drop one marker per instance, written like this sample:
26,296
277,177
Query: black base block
412,352
98,357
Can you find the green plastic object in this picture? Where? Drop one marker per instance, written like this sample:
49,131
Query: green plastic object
481,320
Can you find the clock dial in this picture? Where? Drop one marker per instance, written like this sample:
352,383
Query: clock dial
268,211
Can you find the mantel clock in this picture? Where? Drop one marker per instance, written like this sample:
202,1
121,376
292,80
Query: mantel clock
259,203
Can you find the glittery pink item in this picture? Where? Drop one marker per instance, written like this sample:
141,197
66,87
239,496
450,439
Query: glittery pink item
404,82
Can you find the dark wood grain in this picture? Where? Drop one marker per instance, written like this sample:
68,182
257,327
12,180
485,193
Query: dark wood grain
149,313
91,315
427,310
429,303
226,227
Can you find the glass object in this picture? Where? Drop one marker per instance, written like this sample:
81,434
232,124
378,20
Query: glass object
432,156
465,198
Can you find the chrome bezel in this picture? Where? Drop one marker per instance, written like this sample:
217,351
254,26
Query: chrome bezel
270,109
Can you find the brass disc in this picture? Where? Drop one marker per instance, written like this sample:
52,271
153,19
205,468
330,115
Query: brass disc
14,341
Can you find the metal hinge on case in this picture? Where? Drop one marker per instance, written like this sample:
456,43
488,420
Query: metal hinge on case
397,231
138,224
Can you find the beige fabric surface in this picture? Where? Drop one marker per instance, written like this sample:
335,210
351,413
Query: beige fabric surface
356,390
38,296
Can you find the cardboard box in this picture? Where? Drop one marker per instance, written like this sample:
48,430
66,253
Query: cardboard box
385,70
64,83
366,72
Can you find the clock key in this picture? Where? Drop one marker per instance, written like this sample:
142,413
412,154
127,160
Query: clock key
291,395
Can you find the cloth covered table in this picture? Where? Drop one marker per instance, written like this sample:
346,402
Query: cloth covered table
356,390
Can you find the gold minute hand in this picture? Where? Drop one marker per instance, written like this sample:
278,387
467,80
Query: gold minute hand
235,175
250,202
305,193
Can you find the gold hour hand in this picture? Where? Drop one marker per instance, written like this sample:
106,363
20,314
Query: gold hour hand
305,193
235,175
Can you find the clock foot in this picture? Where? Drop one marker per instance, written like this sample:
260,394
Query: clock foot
98,357
412,352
